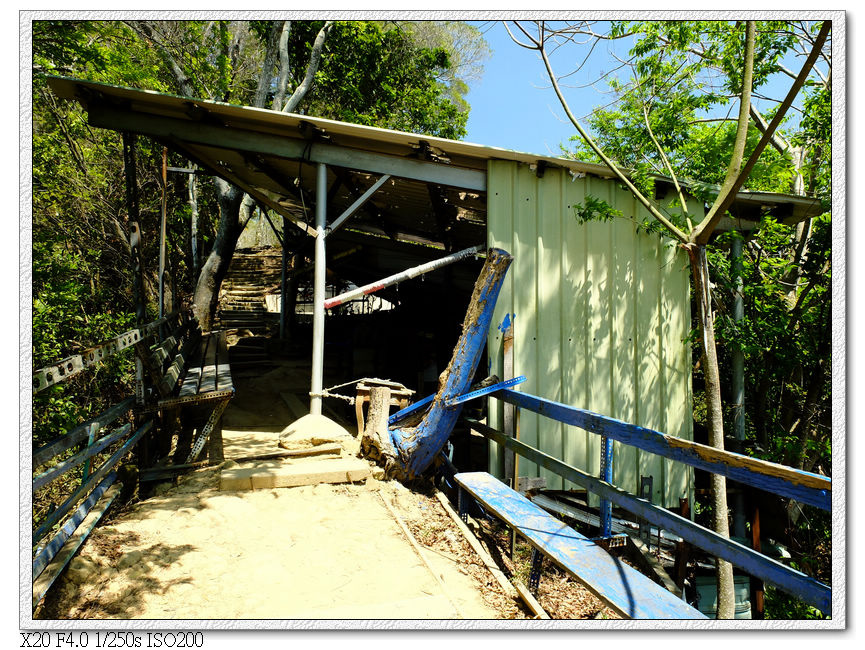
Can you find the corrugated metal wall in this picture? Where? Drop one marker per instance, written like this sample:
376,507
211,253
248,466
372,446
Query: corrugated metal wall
600,312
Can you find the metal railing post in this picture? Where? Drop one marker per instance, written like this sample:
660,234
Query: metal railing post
606,508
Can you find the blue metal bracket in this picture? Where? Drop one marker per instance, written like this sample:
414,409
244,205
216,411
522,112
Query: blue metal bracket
485,391
462,505
606,508
408,410
535,574
413,408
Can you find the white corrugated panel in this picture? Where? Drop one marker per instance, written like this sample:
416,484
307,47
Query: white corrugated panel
600,312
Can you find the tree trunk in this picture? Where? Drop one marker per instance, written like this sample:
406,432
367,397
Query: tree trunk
418,446
714,420
375,442
213,271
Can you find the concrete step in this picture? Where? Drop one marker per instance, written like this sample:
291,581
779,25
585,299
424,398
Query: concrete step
311,472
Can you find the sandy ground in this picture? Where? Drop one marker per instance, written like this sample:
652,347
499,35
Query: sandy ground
313,552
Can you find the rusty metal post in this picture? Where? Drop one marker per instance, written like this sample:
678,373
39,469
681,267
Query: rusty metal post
135,246
162,228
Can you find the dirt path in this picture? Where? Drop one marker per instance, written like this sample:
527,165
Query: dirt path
313,552
323,552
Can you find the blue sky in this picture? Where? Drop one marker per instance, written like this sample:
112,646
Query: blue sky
514,107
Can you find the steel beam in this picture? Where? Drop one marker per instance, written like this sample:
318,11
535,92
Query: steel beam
180,130
357,205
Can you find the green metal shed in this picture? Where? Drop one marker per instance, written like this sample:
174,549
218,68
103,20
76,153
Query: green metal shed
600,312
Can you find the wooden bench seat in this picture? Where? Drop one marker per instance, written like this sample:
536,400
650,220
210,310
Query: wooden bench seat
621,587
190,368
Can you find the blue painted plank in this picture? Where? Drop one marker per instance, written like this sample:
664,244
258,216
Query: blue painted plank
53,547
620,586
73,461
770,571
805,487
94,478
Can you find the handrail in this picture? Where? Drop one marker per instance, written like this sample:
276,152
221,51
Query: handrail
80,433
61,468
91,481
770,571
799,485
62,370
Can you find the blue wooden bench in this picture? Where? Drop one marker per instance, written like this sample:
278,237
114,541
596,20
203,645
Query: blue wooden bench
621,587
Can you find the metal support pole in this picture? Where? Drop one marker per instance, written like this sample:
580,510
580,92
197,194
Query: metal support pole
606,509
318,292
162,232
738,380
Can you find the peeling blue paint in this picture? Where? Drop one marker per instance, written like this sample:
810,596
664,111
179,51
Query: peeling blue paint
507,323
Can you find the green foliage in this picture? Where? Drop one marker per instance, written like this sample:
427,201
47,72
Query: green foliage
677,100
379,77
595,209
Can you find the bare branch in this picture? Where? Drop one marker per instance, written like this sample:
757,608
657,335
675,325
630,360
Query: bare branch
728,193
314,61
677,233
534,45
266,75
284,67
668,166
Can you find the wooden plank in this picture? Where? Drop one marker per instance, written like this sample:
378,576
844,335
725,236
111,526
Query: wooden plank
208,366
223,370
806,487
181,361
621,587
789,580
169,471
473,541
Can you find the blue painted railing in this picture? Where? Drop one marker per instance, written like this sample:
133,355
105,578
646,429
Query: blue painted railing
805,487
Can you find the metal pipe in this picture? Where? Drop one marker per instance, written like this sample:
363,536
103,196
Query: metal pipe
354,207
738,379
401,277
318,292
162,231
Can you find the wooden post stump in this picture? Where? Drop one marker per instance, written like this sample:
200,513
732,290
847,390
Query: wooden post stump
375,442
